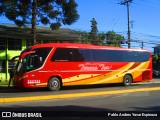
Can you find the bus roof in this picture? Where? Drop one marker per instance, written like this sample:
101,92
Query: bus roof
77,45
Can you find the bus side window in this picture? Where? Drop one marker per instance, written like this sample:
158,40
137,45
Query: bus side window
77,56
86,54
62,54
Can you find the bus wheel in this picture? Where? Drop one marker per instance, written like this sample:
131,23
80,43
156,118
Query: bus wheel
127,80
54,84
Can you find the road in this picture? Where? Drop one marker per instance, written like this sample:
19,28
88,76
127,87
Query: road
142,101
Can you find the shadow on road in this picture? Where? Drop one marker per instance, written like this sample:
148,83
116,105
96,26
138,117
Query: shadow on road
154,108
7,89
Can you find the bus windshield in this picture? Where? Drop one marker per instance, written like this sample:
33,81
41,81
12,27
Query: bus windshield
29,62
33,60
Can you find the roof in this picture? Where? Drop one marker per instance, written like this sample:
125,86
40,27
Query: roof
43,33
77,45
158,46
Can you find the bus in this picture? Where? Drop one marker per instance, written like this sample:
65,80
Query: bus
55,65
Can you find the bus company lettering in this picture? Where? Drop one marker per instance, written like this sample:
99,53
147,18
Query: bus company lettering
94,67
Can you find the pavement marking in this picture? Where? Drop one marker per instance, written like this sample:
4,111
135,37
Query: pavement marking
76,95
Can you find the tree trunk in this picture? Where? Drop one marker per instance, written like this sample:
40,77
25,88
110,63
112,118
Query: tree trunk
34,32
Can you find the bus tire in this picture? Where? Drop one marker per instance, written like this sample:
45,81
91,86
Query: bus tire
54,84
127,80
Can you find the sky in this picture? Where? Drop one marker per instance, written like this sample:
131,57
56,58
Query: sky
110,15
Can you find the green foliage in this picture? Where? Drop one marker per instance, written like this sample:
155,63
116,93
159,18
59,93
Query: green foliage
85,36
112,39
70,12
156,62
94,30
48,12
155,58
55,26
102,36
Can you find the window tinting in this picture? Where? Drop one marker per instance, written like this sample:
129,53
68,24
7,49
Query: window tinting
89,55
33,61
62,54
14,44
42,53
71,54
119,56
86,54
2,44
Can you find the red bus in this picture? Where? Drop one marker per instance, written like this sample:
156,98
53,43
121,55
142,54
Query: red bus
54,65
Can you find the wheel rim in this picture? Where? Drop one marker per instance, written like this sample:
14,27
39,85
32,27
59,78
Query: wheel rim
127,80
54,84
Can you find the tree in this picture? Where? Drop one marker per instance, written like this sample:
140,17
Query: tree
101,38
113,38
155,61
110,38
94,30
47,12
85,36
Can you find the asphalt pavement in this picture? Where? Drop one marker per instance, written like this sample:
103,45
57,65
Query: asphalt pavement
20,95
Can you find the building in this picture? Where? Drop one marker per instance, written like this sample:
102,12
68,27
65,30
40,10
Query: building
15,39
157,50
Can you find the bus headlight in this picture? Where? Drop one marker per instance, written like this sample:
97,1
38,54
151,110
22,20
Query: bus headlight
23,77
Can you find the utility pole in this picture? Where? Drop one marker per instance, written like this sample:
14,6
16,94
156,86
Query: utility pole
80,38
127,2
142,44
